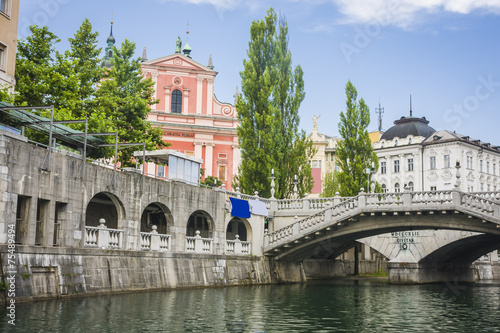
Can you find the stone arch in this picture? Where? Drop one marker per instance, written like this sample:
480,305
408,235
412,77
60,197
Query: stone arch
107,206
156,214
240,227
200,221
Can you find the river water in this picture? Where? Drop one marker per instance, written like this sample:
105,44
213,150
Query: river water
334,306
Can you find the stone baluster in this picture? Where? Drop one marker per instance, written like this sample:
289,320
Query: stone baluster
103,238
155,239
198,242
307,202
237,244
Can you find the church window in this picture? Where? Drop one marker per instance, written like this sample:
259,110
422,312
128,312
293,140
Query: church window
176,101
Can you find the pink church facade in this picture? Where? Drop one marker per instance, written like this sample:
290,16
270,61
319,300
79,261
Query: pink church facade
191,117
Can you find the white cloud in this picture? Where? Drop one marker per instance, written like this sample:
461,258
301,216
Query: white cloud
405,13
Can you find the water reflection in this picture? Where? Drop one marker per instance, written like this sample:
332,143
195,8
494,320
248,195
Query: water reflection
314,307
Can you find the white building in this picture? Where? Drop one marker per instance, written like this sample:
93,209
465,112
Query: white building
413,154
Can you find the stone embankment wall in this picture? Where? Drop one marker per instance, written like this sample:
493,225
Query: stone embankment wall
51,272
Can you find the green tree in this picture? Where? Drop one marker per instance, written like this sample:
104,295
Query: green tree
84,55
124,99
354,152
43,75
272,92
330,184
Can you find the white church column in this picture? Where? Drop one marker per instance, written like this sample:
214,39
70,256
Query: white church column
185,103
198,146
154,77
167,98
209,155
199,94
210,96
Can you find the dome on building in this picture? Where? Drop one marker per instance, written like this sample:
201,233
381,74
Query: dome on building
408,126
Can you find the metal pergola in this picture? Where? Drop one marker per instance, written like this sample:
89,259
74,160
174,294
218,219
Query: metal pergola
68,136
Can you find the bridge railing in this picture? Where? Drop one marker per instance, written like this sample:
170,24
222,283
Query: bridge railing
449,199
494,196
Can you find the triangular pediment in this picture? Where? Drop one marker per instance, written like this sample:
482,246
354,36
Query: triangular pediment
178,60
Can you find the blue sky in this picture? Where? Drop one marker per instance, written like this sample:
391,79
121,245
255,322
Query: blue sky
445,53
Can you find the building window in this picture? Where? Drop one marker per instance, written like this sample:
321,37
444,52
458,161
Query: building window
396,166
482,187
5,6
316,164
383,167
176,101
489,187
396,188
433,162
3,57
469,162
384,188
161,171
433,188
222,173
396,142
411,186
487,167
337,168
481,166
494,169
410,164
447,162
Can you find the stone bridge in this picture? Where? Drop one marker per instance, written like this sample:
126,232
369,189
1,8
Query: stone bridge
341,222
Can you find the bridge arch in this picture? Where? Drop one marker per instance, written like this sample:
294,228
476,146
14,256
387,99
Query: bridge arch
156,214
463,251
105,205
201,221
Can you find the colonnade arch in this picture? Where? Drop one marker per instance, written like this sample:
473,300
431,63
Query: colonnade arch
156,214
107,206
200,221
240,227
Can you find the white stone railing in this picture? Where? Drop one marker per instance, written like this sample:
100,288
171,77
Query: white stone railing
153,241
407,201
91,236
197,244
237,247
495,196
103,237
476,203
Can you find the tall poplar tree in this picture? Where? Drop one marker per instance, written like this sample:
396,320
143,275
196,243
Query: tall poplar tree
272,91
354,152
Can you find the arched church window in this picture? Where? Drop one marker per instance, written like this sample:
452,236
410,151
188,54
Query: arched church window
176,101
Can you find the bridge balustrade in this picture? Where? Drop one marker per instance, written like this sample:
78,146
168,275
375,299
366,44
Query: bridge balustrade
415,201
